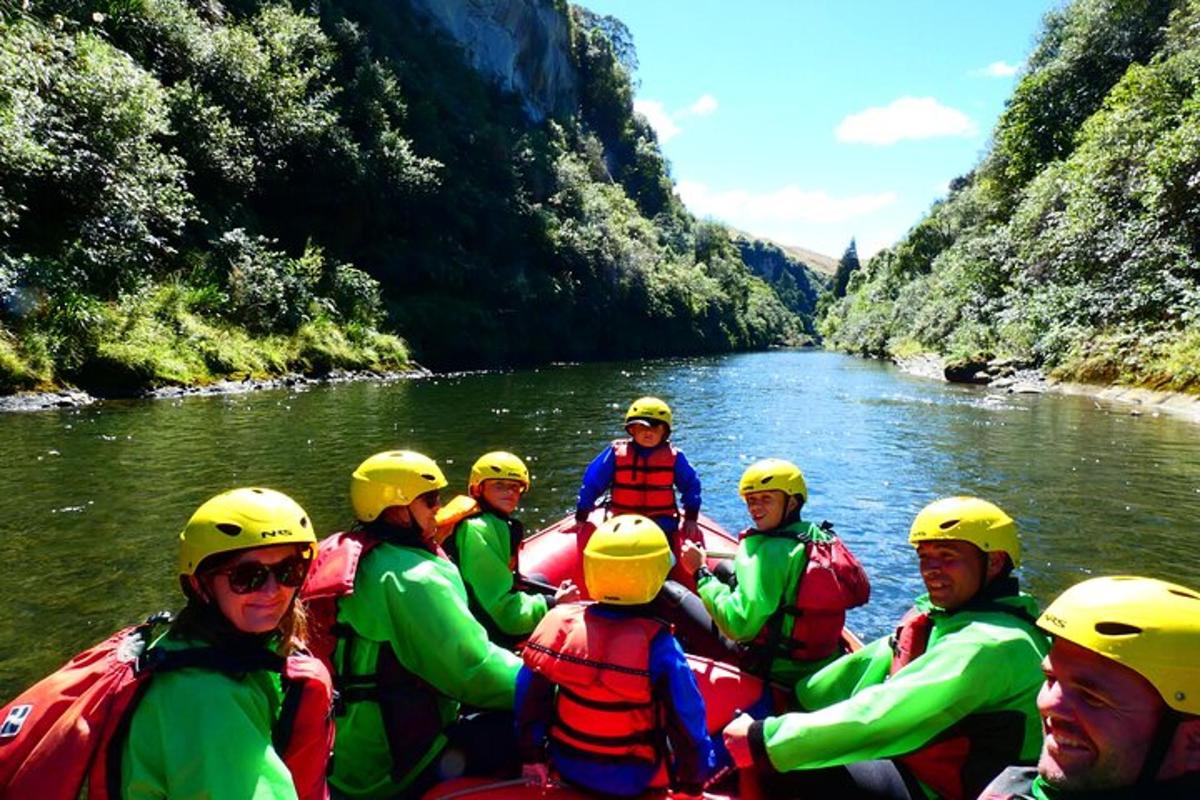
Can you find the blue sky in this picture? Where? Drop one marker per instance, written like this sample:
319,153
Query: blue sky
810,122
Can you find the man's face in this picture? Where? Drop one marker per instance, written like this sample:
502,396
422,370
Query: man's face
767,509
1098,719
952,571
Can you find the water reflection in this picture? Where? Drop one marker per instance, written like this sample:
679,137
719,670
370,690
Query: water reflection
91,500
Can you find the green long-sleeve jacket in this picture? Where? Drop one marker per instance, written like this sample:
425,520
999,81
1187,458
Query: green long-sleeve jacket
198,733
977,661
410,600
484,550
768,568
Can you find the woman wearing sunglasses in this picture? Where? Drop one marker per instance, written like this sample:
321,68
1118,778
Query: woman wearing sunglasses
250,717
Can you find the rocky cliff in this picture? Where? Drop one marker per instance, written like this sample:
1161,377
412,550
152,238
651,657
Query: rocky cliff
524,45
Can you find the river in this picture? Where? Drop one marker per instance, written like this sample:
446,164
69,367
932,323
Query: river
92,499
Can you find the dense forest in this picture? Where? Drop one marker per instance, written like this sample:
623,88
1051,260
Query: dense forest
196,189
1074,245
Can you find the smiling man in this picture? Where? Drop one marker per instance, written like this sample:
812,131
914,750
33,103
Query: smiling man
1121,703
939,708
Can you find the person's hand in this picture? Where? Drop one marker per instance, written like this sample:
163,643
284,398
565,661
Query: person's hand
691,557
537,774
737,741
690,530
567,592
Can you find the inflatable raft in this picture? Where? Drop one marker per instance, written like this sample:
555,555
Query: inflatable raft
726,691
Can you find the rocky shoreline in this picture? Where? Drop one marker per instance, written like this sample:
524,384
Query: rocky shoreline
76,398
1013,377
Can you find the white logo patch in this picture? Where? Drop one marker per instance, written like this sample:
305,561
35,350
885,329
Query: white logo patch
15,719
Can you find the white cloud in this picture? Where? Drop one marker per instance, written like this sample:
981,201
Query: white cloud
905,118
789,204
704,105
997,69
658,118
792,215
665,123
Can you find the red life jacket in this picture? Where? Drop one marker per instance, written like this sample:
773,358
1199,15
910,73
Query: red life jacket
959,762
833,581
604,706
408,705
65,731
643,483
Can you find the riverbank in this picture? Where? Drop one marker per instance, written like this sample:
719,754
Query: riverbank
1013,378
75,398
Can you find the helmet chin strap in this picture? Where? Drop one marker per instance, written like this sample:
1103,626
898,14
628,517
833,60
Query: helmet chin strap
1160,746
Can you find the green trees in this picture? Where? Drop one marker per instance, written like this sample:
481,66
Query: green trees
846,267
197,190
1074,243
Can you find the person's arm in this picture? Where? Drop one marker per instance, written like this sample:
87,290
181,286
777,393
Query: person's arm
434,635
688,484
597,478
534,709
928,696
219,748
482,542
686,728
741,612
842,678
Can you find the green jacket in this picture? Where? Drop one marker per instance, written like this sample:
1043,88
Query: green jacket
768,569
410,600
976,662
484,551
1024,783
199,733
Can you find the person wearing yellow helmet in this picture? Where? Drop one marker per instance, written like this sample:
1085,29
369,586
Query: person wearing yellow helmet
207,731
938,708
793,582
484,541
641,475
606,690
1120,705
396,602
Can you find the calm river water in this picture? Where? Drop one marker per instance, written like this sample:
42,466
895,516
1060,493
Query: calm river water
91,500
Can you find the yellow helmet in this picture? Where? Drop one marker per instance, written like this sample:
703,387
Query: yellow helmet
626,561
241,519
773,473
1147,625
967,519
392,478
650,409
497,465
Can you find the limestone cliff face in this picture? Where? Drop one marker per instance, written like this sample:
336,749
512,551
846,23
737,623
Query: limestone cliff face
524,45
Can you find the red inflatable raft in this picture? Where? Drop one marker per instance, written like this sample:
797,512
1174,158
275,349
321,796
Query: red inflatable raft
726,691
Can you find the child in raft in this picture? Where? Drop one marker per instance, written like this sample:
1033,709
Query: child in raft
641,475
606,691
484,539
794,579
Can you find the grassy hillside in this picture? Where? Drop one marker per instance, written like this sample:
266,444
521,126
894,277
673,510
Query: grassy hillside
1075,243
190,191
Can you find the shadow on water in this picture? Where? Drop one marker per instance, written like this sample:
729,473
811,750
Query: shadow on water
91,500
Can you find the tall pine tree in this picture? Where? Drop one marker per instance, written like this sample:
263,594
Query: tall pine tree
845,268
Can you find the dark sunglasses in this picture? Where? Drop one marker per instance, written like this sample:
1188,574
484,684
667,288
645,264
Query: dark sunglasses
251,576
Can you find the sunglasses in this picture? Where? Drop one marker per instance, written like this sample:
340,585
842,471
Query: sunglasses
251,576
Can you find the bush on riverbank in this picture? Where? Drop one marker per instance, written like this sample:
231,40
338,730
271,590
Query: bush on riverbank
1075,243
166,335
336,164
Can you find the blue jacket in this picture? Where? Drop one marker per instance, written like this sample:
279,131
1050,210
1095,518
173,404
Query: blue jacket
598,477
693,758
